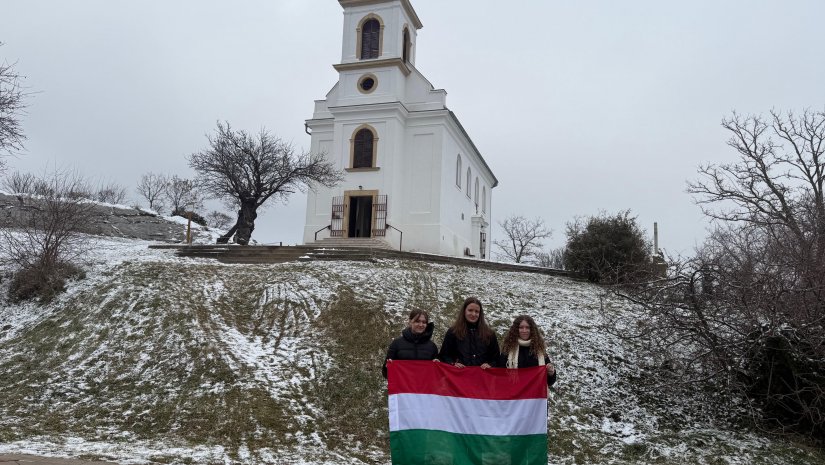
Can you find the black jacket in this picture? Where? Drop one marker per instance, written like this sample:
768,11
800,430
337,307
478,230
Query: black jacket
412,347
470,351
527,360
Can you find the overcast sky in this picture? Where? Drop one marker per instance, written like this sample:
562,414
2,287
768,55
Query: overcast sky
576,106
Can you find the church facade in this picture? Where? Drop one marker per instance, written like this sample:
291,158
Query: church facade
410,167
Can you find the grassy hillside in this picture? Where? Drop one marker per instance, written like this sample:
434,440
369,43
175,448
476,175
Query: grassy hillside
157,359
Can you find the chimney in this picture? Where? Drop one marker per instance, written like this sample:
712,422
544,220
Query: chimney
656,239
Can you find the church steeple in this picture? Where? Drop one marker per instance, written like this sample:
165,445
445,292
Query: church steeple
379,30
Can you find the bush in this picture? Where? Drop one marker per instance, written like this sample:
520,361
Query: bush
219,220
194,216
44,237
19,183
607,249
112,193
787,383
42,282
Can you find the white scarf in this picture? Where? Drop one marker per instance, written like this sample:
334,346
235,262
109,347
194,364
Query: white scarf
512,357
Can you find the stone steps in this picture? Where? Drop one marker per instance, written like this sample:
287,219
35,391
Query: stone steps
262,254
349,242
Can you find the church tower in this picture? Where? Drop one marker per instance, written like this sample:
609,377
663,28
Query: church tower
385,125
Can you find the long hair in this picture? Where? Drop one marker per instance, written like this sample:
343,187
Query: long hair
537,345
459,326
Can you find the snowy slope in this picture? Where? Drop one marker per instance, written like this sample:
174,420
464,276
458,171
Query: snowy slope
156,359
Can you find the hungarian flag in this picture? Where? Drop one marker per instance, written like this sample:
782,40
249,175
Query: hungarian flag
440,414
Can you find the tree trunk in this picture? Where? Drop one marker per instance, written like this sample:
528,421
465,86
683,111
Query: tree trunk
246,222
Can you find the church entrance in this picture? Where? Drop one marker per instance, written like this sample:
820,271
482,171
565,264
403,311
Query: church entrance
360,216
359,213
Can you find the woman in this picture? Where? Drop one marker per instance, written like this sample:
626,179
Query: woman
414,343
524,347
469,341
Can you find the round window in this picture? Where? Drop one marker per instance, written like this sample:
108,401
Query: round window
367,83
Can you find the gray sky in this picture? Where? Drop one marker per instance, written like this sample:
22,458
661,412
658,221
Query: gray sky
576,106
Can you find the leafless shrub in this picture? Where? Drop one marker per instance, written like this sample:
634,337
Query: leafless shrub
19,183
112,193
553,258
748,310
44,242
218,220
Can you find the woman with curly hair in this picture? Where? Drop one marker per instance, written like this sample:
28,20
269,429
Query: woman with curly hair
470,341
524,347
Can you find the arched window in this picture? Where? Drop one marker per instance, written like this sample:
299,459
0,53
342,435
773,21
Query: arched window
363,149
458,170
484,199
370,39
476,193
406,51
469,178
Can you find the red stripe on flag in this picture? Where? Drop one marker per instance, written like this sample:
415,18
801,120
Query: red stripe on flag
442,379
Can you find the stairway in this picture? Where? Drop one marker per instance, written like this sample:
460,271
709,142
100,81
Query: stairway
352,242
352,249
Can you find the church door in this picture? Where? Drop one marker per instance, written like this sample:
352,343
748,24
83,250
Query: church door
360,216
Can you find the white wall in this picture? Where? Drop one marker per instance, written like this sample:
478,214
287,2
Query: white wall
394,18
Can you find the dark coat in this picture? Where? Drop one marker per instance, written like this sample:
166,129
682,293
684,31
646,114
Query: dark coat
470,351
412,347
527,360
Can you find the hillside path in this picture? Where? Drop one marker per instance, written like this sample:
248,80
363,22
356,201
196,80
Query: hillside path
17,459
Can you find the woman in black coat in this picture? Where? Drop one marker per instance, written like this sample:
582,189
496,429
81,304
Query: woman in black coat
524,347
469,341
414,343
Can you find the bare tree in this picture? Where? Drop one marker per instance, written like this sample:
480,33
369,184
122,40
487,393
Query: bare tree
19,183
152,187
183,195
524,237
111,193
248,170
219,220
748,311
45,240
553,258
12,105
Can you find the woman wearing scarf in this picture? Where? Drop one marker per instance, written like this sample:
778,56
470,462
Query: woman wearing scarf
524,347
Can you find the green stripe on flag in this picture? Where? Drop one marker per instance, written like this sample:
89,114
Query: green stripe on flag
429,447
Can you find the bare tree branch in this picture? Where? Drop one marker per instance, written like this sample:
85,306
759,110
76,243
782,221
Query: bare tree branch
12,105
748,311
523,242
248,170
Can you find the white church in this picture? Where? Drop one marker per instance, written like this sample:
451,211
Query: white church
413,177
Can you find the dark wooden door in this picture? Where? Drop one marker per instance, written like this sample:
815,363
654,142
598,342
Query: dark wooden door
360,216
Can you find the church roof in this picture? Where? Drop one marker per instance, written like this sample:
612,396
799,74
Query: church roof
464,132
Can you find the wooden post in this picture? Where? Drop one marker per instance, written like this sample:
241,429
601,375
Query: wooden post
189,228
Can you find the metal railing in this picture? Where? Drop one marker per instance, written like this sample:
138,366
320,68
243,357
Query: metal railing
329,226
401,240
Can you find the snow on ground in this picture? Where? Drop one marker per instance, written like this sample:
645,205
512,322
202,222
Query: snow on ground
599,413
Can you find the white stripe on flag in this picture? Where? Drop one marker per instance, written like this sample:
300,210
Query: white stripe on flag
468,416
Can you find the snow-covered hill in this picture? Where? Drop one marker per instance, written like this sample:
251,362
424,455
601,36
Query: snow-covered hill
153,358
